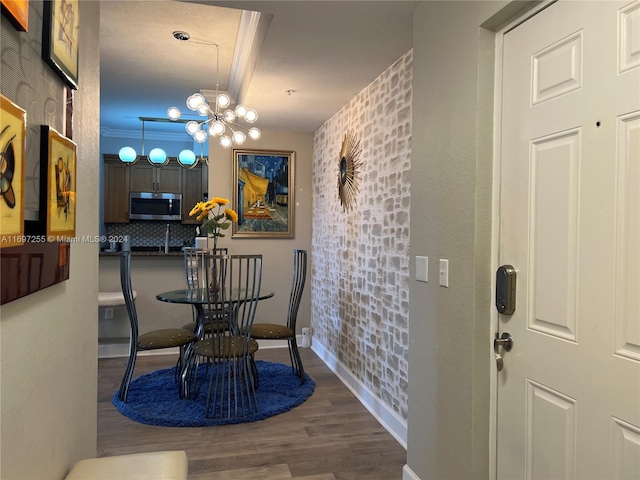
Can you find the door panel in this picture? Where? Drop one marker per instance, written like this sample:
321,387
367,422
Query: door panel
551,432
625,450
569,394
553,233
627,329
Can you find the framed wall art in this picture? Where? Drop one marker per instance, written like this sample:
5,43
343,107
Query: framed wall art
60,38
31,267
12,172
58,181
263,194
17,11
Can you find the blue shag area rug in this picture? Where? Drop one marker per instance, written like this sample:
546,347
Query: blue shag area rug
153,398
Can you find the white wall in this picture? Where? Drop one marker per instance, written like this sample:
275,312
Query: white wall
450,339
48,340
277,253
149,276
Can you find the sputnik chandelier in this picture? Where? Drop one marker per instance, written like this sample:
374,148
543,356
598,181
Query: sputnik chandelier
221,121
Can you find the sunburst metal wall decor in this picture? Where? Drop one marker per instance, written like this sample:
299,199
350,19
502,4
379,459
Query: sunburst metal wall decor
349,170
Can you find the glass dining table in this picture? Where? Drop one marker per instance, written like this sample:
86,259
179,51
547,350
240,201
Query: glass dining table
199,298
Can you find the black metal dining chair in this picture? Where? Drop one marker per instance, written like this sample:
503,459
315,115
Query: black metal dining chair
153,340
273,331
195,265
228,352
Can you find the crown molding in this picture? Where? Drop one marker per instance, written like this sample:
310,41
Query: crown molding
177,137
244,53
250,36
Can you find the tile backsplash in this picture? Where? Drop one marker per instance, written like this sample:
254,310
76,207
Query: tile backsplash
152,234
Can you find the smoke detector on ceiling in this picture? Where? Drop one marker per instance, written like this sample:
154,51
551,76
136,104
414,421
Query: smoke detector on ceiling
182,36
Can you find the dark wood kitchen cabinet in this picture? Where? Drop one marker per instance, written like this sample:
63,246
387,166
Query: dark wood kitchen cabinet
120,179
192,192
116,190
144,177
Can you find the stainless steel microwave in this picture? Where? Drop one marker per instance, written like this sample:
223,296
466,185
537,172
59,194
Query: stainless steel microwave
155,206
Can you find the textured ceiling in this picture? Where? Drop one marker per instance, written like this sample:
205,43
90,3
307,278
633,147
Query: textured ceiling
326,51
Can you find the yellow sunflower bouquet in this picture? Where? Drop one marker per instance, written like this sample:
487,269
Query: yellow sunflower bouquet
218,217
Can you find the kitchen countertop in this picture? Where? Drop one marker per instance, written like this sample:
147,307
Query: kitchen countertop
147,252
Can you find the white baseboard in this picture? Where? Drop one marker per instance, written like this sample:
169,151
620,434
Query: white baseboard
408,474
389,419
117,349
112,349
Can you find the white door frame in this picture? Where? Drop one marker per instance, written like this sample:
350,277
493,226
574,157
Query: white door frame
495,208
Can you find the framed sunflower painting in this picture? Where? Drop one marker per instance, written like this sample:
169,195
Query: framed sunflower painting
12,172
58,195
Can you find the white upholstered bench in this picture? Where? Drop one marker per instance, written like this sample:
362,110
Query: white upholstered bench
165,465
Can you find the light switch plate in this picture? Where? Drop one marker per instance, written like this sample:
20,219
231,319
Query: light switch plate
444,272
422,269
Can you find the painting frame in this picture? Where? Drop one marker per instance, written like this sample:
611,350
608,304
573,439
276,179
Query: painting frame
17,11
265,206
58,182
12,172
60,46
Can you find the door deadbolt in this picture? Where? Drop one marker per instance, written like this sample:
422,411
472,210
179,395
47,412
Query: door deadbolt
506,290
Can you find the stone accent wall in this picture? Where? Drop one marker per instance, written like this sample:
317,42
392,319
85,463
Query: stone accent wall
360,259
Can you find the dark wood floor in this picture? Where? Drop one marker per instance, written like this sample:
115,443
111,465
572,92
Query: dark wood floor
331,436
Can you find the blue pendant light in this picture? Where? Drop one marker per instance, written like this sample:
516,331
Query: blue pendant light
158,157
128,155
187,159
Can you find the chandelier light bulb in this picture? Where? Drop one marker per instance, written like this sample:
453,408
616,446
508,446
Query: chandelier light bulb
216,128
225,141
241,110
200,136
254,133
194,101
239,138
203,109
192,127
173,113
229,115
223,100
251,115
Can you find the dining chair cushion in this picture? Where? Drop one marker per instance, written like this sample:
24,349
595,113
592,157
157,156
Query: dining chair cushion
224,347
168,465
165,338
271,330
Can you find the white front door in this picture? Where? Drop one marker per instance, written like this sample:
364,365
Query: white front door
568,402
